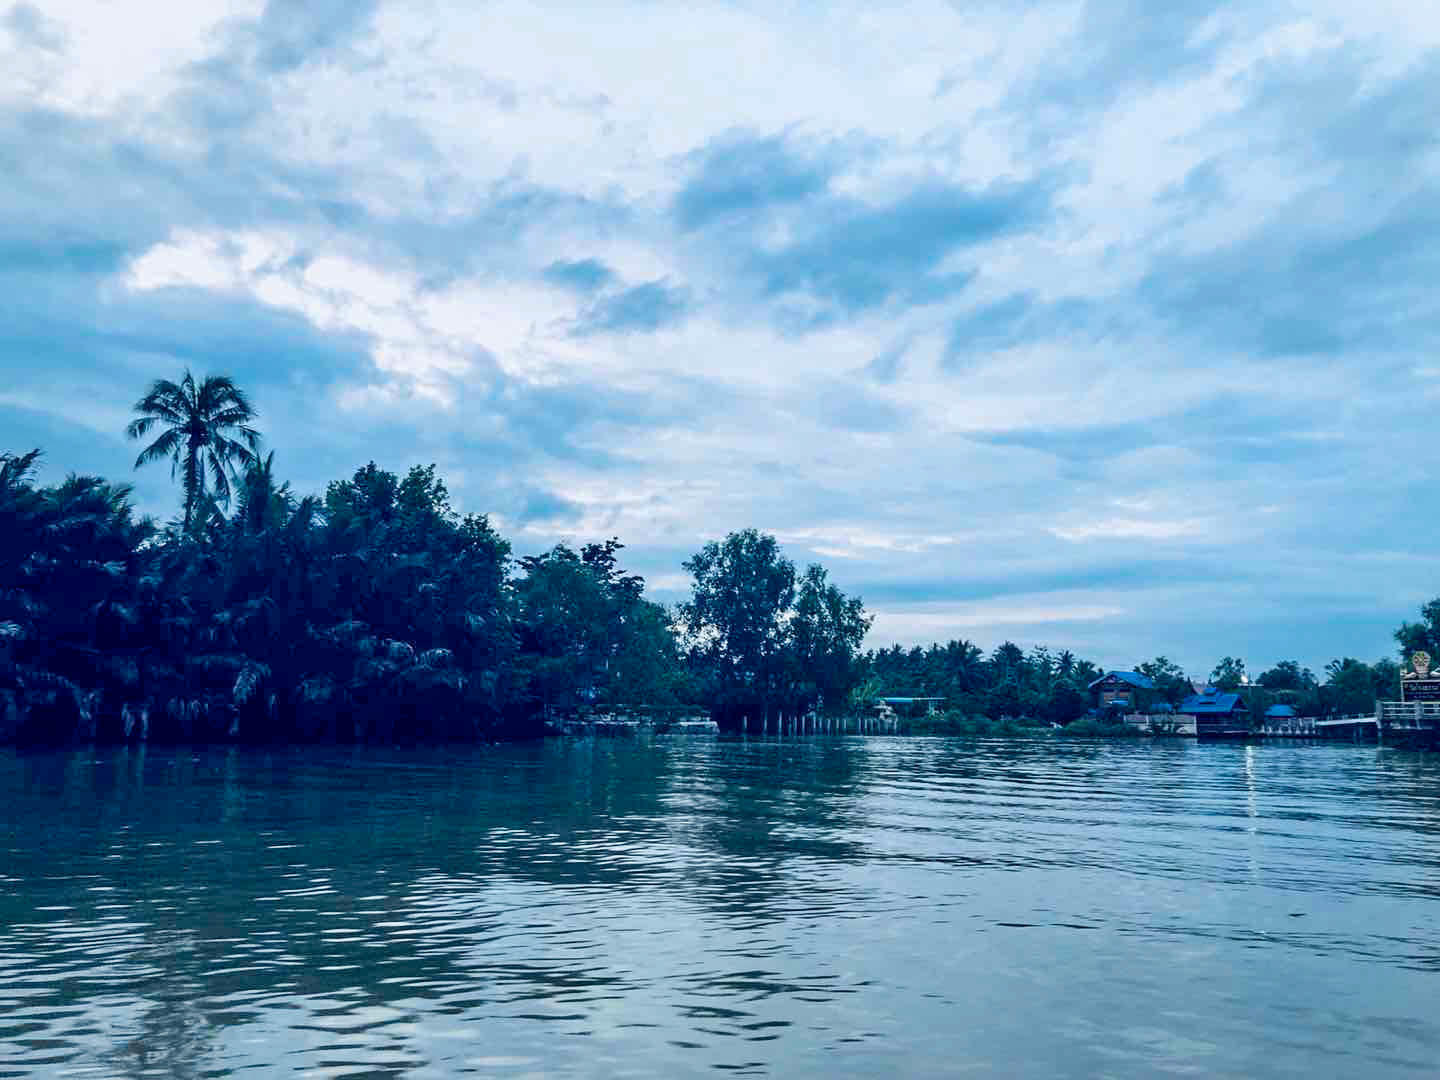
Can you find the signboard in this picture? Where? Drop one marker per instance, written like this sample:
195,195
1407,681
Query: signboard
1420,690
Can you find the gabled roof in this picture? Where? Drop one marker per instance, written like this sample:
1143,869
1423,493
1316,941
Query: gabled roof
1212,702
1133,678
1281,712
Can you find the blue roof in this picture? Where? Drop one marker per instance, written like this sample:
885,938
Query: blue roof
1212,702
1281,711
1134,678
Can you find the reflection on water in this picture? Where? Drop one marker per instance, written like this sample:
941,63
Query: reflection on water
677,906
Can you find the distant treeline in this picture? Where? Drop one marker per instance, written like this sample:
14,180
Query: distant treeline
374,612
1054,686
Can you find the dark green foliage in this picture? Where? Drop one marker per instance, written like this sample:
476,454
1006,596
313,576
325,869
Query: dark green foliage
587,636
1288,677
377,612
759,645
1229,675
1171,685
1423,636
205,434
70,558
1038,687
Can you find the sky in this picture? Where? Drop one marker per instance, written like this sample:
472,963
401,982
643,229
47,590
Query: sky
1107,325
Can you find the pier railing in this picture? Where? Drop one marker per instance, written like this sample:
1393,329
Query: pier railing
1408,714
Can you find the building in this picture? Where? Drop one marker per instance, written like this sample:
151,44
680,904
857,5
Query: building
1217,714
1128,690
1285,720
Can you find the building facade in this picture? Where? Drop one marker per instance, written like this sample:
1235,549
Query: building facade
1217,714
1128,690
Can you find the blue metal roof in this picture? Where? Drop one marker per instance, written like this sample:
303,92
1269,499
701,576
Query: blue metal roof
1134,678
1212,702
1281,712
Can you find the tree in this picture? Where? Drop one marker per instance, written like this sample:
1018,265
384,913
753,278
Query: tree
206,435
1349,687
1423,636
1288,675
826,630
262,504
1171,685
568,624
68,561
734,623
1385,679
1228,675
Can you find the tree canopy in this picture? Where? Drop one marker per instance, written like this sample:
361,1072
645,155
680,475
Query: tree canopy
376,611
205,434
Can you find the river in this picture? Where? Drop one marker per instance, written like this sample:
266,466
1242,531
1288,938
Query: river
688,906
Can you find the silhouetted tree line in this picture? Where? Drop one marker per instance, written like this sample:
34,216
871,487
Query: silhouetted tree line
1040,684
376,612
373,612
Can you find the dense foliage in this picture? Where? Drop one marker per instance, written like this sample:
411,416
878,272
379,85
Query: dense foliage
761,642
1009,682
376,612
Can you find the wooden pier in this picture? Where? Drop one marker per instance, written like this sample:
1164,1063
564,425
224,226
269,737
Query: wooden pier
1404,721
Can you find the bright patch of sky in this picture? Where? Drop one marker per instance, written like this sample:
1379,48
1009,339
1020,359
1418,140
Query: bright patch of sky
1100,324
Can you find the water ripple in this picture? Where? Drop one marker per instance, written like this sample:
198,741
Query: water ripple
675,907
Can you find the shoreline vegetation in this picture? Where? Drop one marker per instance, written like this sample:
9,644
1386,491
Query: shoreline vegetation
373,612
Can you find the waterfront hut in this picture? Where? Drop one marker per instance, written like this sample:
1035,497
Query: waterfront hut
1282,719
1217,714
1127,690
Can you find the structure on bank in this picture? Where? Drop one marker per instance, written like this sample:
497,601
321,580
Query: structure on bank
1217,714
1126,690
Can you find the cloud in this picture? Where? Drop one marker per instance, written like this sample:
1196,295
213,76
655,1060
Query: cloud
1102,324
644,308
545,506
32,28
1017,319
290,33
741,174
857,256
581,275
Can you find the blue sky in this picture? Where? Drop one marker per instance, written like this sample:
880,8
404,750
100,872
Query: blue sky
1073,323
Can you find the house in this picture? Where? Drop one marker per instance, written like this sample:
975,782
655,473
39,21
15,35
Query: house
1217,714
1128,690
1283,719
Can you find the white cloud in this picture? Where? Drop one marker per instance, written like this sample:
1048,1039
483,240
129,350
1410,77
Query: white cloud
409,192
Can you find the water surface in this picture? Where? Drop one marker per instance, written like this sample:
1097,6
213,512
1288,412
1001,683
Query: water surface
693,906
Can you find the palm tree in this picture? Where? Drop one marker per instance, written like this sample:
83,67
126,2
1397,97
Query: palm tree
206,435
262,503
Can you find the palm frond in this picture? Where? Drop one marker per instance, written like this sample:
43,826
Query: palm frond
15,468
375,670
249,679
220,478
317,690
166,446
